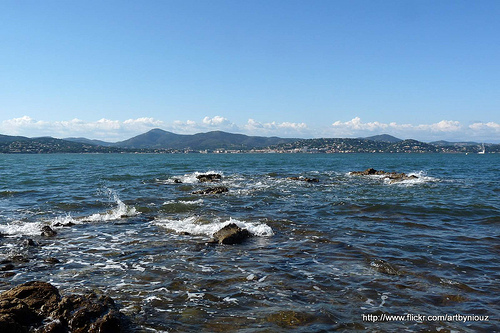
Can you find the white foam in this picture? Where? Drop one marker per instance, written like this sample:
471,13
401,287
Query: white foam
185,202
421,178
191,178
194,226
116,213
21,228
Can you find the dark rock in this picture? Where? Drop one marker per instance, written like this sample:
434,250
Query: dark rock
38,306
48,231
7,267
212,190
393,176
231,234
305,179
40,297
177,181
29,242
68,224
210,177
52,260
8,275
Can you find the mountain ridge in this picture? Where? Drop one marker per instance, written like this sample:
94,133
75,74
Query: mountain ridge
161,141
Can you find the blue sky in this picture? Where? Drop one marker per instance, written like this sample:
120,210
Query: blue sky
109,70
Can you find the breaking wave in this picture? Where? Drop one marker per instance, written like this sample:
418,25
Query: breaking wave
194,226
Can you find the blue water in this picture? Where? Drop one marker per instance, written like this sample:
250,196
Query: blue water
325,255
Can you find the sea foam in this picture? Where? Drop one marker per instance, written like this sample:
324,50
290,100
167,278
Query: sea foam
194,226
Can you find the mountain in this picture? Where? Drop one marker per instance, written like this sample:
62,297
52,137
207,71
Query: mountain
8,138
158,138
457,144
46,145
383,138
90,142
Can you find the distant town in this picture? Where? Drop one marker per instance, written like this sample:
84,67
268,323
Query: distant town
161,142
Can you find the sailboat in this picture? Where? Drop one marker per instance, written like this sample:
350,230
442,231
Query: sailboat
482,151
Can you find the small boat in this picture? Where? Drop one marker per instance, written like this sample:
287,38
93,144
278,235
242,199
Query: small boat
482,151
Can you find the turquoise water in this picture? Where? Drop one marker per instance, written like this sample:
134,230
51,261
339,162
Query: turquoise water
325,255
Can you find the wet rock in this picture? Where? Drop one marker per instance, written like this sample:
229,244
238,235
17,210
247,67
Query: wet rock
383,266
393,176
52,260
305,179
67,224
289,319
231,234
48,231
209,177
212,190
177,181
38,306
7,267
29,242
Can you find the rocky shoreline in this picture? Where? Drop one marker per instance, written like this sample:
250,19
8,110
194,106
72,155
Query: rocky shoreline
39,307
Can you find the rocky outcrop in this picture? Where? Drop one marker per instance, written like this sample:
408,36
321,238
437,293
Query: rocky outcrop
38,306
305,179
231,234
393,176
48,231
212,190
209,177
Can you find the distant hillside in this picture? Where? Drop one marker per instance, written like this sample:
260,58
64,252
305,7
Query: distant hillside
160,141
48,145
90,142
384,138
8,138
457,144
158,138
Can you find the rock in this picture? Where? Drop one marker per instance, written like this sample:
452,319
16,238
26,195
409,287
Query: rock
290,319
177,181
393,176
52,260
29,242
305,179
209,177
231,234
48,232
7,267
38,306
212,190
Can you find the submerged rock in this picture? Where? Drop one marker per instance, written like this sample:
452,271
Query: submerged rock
305,179
48,231
393,176
38,306
231,234
212,190
209,177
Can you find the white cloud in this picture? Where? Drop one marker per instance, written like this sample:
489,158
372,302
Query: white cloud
442,130
491,126
116,130
276,129
442,126
105,129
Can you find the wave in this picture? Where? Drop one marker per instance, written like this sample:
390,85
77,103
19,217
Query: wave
194,226
120,211
189,178
21,228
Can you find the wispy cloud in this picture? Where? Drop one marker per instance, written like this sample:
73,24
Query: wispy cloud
116,130
445,129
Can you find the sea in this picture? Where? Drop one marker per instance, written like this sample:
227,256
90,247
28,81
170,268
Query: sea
346,253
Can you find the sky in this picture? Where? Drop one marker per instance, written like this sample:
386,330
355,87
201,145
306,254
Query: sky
110,70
